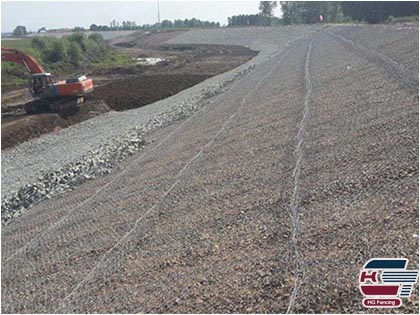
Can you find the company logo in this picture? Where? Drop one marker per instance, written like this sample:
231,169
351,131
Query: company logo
385,281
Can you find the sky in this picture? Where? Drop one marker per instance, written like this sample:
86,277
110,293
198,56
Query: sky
62,14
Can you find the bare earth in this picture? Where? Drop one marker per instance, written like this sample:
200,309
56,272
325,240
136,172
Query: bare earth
268,199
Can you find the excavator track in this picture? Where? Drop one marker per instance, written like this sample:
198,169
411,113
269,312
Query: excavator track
37,106
66,106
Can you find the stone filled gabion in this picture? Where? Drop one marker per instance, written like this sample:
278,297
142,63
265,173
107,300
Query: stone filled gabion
102,160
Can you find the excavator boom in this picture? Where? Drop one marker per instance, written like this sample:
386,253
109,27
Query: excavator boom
16,56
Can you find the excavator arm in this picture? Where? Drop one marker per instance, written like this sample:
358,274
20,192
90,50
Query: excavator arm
16,56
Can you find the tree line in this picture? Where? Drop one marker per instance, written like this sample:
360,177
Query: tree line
253,20
308,12
131,25
73,50
379,11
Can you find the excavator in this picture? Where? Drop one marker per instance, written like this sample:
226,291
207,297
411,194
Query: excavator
49,95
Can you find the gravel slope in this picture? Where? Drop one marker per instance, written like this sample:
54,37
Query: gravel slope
267,199
27,162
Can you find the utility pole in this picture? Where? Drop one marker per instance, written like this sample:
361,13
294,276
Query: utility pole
158,12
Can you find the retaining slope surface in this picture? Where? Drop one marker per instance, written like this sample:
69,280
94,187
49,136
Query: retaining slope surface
29,161
268,199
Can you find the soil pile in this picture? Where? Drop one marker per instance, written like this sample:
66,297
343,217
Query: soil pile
136,92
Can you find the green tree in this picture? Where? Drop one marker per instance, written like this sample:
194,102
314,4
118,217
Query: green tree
39,43
74,54
179,23
266,10
308,12
78,29
20,31
57,51
96,37
80,39
94,27
379,11
244,20
113,25
166,24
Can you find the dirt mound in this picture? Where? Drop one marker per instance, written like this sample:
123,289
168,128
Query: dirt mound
201,50
137,92
15,130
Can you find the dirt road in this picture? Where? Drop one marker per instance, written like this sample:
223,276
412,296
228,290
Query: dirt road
268,199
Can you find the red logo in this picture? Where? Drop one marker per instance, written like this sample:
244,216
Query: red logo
384,281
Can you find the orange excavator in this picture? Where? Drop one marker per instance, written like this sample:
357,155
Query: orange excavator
50,95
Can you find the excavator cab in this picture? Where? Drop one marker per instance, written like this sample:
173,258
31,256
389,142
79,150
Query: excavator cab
42,85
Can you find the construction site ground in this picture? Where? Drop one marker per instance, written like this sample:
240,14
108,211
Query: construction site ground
125,87
266,193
